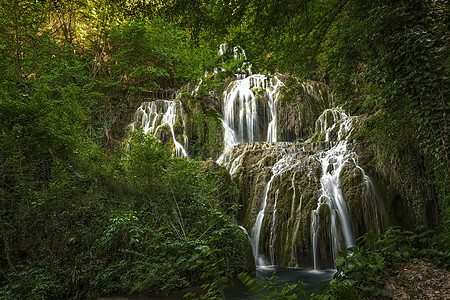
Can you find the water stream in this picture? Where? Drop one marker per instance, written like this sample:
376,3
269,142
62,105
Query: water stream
249,110
314,281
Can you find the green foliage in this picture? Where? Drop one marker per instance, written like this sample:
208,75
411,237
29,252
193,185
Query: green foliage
143,52
115,225
391,53
266,289
360,270
194,57
78,220
212,273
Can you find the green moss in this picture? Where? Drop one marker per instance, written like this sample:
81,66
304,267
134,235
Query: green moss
200,124
212,133
164,134
324,231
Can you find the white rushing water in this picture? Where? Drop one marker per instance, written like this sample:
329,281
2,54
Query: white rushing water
153,117
335,124
328,123
246,116
272,229
332,162
334,127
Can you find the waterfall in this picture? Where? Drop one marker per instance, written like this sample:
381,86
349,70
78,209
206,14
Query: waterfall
286,163
314,175
249,110
163,119
299,174
328,122
331,194
256,231
332,161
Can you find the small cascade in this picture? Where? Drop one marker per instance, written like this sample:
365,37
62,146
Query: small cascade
256,231
245,231
237,54
332,162
249,110
333,125
163,119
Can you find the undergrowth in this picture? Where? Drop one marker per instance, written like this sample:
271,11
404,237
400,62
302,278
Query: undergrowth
361,269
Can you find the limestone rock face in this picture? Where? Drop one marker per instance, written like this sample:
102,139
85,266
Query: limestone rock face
366,208
300,105
286,179
203,105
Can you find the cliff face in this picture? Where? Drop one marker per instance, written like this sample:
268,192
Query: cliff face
300,105
203,105
287,180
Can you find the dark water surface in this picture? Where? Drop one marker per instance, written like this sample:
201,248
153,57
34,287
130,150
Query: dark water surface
314,281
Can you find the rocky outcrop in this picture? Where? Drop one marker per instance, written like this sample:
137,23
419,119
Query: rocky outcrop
299,107
303,202
203,105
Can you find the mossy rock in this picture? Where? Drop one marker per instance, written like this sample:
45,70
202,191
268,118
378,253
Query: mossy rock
164,134
298,108
158,120
178,127
258,91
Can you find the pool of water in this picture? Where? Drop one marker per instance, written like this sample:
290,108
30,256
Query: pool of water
314,281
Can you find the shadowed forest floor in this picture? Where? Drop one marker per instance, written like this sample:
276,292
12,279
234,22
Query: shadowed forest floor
418,279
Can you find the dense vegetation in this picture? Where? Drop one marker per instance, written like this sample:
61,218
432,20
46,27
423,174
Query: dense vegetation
362,270
79,217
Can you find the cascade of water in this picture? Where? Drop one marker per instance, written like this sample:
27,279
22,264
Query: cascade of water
272,94
334,127
246,117
329,120
286,163
332,162
154,116
238,52
373,213
197,88
256,231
